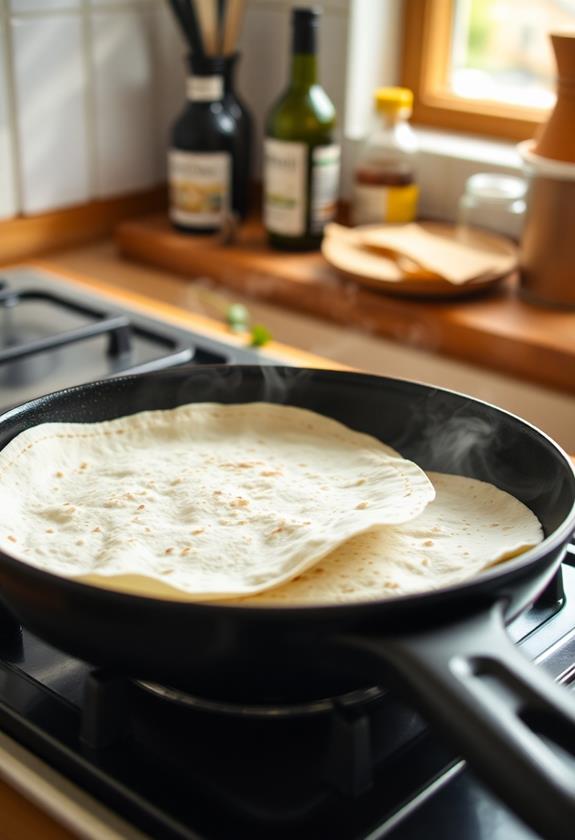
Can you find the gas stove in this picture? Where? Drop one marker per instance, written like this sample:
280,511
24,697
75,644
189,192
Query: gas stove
54,335
174,765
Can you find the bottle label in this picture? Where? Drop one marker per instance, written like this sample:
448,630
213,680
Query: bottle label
325,163
285,176
372,204
199,188
205,88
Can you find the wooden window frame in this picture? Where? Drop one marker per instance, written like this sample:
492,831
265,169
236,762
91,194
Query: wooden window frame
427,32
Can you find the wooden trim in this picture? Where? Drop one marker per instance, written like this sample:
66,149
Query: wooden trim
427,32
24,237
21,818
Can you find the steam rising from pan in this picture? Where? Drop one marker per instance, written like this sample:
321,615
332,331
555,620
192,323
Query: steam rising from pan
221,383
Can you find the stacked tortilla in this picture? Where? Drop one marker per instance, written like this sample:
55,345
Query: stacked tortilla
257,504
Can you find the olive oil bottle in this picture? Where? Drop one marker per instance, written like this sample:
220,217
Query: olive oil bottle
301,165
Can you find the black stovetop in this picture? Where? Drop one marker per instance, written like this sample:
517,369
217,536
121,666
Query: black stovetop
54,335
357,767
360,766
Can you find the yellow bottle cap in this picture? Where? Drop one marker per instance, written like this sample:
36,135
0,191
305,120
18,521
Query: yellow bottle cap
390,100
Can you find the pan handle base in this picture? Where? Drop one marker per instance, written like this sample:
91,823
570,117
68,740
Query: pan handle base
512,723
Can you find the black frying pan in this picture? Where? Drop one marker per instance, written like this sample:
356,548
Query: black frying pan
446,650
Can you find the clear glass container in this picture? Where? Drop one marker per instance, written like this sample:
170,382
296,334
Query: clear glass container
493,202
385,188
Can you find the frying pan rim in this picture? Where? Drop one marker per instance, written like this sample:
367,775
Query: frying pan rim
497,573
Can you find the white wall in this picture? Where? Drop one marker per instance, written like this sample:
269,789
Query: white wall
89,89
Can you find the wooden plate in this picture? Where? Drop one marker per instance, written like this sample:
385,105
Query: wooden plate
383,274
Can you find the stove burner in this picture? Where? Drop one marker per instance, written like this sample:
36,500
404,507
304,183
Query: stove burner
362,698
52,338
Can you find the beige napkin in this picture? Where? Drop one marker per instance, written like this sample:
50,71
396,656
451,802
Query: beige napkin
442,253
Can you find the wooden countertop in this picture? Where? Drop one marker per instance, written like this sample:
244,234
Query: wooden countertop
497,330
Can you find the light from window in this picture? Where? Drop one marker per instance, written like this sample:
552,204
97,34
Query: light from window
501,49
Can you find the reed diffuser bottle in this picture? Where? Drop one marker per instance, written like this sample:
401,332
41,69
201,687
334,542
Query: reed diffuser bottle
301,169
210,145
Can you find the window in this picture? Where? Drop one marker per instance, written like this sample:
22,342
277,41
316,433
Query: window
483,66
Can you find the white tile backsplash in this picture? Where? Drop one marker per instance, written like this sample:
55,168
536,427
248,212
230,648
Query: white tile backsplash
333,61
113,4
124,101
324,5
105,133
18,6
51,113
264,65
8,201
171,66
433,177
99,83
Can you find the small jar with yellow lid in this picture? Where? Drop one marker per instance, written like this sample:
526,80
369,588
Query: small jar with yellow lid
385,187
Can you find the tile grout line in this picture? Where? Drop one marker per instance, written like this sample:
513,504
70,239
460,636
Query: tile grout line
89,99
12,109
77,10
157,90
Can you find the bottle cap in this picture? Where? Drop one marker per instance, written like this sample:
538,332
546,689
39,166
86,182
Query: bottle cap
305,26
391,100
309,14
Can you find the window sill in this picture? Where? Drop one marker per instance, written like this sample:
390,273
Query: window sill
465,147
447,160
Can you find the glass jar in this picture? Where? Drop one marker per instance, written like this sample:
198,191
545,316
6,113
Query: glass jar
493,202
385,188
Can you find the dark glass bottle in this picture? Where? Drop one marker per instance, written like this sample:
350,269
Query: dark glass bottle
210,150
301,169
243,137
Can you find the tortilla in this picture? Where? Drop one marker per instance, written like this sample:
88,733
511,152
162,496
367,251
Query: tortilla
469,527
217,501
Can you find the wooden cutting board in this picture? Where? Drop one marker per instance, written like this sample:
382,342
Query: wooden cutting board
494,330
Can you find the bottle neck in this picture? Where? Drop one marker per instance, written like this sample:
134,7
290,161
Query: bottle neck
229,73
389,121
394,117
304,50
303,70
205,82
205,88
